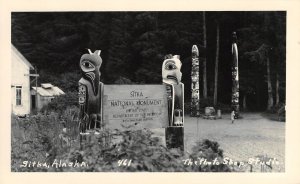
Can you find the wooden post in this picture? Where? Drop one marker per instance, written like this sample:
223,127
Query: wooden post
36,89
175,137
36,75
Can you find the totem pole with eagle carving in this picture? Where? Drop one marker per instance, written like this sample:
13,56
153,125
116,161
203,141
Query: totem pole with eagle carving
90,93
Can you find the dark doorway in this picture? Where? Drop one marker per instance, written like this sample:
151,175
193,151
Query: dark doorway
33,105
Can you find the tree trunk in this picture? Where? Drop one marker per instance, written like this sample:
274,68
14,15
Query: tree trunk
204,61
216,66
277,90
270,95
245,102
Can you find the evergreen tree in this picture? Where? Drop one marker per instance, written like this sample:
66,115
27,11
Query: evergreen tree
134,44
118,62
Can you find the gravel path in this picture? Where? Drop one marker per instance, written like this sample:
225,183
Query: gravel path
250,137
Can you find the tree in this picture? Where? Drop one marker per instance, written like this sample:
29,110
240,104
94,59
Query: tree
134,44
119,56
148,48
204,61
216,65
270,91
264,28
261,55
277,90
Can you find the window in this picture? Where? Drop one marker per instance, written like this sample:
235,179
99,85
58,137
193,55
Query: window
19,95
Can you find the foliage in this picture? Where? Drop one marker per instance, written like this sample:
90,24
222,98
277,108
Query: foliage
38,138
225,108
148,154
60,103
67,81
209,150
208,102
129,41
133,45
278,109
123,80
263,36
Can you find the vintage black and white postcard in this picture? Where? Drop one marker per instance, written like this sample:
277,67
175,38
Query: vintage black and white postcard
185,90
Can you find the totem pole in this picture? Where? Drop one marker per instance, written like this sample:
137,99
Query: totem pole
90,93
235,77
171,76
195,108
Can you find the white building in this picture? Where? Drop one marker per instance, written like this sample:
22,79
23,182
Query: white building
20,83
41,96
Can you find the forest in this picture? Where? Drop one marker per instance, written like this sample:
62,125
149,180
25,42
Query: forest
133,46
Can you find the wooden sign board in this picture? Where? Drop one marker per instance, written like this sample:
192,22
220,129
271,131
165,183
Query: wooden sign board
135,106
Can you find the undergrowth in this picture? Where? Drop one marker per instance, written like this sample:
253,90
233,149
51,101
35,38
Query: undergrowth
40,138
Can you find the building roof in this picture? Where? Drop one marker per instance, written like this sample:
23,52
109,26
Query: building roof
15,50
47,85
48,89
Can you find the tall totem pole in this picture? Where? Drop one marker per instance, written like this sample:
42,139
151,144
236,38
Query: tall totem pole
235,77
195,108
90,92
171,76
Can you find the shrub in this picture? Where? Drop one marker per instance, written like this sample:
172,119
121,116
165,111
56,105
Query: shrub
210,151
208,102
60,103
147,154
37,138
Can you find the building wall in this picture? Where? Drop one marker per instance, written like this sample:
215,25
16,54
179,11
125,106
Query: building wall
18,78
41,101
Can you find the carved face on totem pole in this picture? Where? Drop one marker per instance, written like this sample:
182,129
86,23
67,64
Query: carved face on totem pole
195,77
171,67
195,54
90,67
196,93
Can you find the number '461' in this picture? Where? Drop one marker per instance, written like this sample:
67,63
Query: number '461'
124,162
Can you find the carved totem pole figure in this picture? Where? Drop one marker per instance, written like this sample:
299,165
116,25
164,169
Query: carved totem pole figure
235,77
171,76
90,91
195,108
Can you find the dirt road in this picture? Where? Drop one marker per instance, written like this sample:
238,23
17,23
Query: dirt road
248,138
